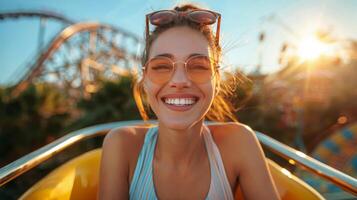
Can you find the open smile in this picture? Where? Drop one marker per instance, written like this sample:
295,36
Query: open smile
180,102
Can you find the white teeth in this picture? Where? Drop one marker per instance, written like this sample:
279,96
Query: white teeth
180,101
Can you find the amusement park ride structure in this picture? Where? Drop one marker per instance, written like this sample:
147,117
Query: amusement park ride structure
79,55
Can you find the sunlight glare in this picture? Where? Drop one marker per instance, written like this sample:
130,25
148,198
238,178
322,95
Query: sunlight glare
311,48
286,172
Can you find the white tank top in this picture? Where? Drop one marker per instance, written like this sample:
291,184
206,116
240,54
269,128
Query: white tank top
142,185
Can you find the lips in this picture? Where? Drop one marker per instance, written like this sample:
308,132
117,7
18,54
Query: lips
180,102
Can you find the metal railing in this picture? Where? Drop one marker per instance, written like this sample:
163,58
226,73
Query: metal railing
18,167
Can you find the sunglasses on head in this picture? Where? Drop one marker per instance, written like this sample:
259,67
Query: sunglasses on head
199,16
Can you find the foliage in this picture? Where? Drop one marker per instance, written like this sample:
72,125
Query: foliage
42,113
112,102
30,119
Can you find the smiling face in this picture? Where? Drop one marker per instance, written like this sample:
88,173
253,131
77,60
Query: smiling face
180,102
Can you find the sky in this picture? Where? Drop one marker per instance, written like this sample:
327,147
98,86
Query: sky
242,22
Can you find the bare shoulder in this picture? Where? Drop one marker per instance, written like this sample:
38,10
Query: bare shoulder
235,140
120,149
122,133
124,137
126,141
233,134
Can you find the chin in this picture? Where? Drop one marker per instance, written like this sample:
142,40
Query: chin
178,124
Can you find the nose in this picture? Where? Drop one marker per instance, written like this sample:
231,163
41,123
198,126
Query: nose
179,78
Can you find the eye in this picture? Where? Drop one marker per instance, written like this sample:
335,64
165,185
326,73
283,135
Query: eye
199,67
161,67
199,64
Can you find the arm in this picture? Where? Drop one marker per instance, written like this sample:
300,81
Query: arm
114,169
255,179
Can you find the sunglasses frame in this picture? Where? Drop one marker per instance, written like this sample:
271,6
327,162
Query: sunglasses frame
214,69
187,15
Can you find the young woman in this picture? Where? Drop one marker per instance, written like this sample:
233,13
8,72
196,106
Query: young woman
182,158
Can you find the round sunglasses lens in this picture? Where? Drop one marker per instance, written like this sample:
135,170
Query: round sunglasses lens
159,69
199,69
162,17
203,17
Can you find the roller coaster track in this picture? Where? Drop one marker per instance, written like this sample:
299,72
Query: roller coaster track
79,54
40,14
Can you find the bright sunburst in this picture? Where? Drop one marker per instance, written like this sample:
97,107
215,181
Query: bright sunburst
311,47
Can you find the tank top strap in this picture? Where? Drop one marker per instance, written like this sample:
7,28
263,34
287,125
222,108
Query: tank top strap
220,187
142,186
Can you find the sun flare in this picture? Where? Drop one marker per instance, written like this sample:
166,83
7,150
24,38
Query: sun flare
311,48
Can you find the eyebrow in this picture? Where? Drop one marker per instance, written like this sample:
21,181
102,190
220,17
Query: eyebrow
172,56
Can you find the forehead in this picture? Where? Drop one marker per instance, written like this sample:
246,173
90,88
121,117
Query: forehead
180,42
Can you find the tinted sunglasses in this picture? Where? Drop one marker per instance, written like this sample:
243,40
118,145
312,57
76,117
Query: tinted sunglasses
198,69
199,16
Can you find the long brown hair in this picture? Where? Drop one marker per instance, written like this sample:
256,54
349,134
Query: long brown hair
221,109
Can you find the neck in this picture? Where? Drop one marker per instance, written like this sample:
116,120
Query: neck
180,147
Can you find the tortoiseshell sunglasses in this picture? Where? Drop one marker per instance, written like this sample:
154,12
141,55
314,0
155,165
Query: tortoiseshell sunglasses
199,16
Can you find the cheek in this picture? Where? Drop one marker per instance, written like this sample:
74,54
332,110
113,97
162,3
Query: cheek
151,91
